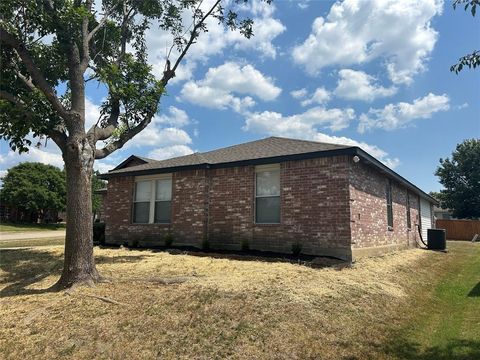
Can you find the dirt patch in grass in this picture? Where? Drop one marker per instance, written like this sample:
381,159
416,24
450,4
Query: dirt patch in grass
223,308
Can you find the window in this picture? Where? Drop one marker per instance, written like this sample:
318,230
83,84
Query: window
267,194
152,201
409,220
141,204
163,197
389,205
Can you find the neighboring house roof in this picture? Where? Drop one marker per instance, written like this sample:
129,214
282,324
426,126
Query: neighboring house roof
265,151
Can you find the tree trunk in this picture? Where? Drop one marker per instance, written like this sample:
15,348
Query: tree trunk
79,263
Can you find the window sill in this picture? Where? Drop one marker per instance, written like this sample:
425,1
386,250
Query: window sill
390,228
268,224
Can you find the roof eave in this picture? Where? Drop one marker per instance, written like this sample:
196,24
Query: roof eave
385,169
354,150
260,161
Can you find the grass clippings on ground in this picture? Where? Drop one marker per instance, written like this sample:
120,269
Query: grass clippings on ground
222,308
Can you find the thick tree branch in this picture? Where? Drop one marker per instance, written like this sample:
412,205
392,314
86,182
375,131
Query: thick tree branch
12,98
170,73
97,133
85,43
59,137
34,71
27,82
118,144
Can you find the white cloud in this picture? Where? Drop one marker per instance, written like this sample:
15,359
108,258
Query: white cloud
216,89
92,113
303,4
358,85
154,135
356,32
299,125
169,152
373,150
320,96
161,137
104,165
175,117
303,127
394,116
51,156
265,29
214,98
299,94
234,77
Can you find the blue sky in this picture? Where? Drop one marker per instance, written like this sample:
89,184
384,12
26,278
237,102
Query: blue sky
368,73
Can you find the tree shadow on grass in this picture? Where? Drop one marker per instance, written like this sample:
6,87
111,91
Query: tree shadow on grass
25,267
475,292
455,349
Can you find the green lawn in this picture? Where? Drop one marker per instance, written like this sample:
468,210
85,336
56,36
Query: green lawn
31,242
445,322
9,227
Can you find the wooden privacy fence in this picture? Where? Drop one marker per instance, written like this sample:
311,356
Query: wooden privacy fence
459,229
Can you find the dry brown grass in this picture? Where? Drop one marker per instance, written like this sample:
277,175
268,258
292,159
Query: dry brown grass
224,309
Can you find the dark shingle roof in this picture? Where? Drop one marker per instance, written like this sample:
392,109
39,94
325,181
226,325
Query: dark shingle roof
259,149
264,151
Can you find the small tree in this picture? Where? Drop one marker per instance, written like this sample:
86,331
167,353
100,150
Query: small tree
35,187
460,177
111,44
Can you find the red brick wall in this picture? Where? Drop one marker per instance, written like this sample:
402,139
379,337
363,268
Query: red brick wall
118,216
314,209
188,207
369,210
231,196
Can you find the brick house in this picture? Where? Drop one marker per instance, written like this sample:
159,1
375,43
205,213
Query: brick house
333,200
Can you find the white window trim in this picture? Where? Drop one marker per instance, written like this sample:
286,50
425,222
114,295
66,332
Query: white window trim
153,180
264,168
